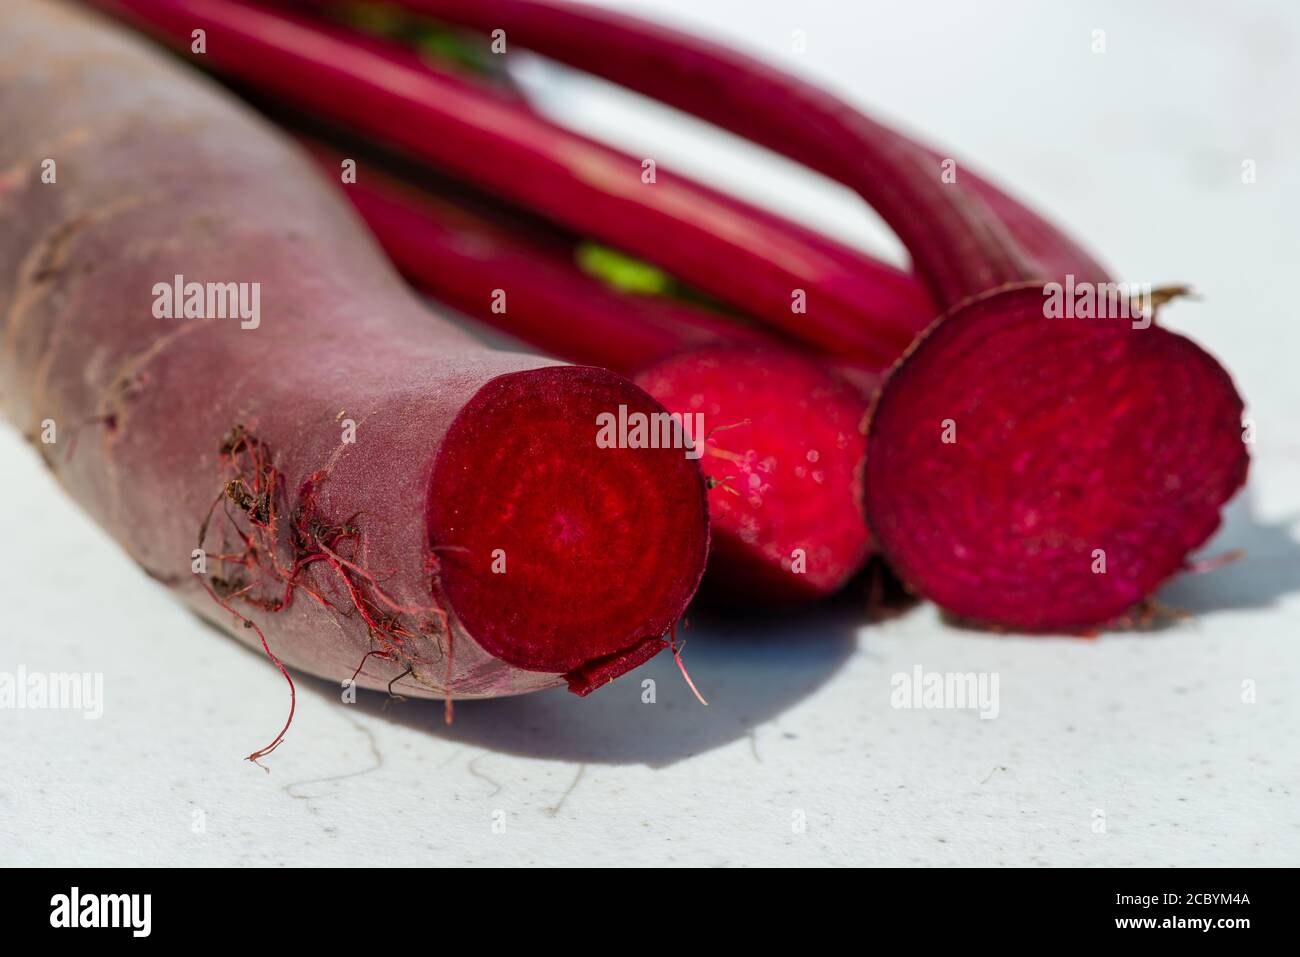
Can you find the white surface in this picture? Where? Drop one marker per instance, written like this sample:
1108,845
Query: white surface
1139,150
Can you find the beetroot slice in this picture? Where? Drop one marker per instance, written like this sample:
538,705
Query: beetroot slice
785,450
1077,440
594,540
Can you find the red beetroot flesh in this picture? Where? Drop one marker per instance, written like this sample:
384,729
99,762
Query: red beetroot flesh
592,538
787,525
1072,435
787,456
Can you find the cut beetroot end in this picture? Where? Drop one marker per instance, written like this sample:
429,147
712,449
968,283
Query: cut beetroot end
785,450
1089,458
601,671
555,552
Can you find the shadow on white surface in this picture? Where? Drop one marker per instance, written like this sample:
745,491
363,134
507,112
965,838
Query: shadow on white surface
750,668
1267,571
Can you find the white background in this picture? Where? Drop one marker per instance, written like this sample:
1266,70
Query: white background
1139,149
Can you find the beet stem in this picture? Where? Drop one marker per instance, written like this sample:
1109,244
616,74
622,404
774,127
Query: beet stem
857,306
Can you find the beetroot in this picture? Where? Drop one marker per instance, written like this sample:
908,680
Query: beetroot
966,238
1073,486
788,464
346,481
782,445
992,526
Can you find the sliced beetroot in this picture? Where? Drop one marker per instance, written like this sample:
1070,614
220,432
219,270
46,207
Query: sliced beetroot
784,452
533,522
1086,459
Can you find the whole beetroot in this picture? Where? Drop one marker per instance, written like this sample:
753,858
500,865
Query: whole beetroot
334,475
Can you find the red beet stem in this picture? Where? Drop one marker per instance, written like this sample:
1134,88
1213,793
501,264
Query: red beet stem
965,237
462,255
1054,251
854,305
783,444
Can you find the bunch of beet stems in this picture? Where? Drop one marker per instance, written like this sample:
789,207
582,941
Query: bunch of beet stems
1021,471
783,446
862,308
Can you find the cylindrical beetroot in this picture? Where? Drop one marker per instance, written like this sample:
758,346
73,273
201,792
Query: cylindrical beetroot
337,467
